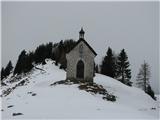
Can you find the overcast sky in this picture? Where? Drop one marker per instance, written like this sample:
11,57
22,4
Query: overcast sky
129,25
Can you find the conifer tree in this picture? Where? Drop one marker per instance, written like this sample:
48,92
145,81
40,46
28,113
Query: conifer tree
19,68
143,77
150,92
59,52
116,73
28,62
96,69
108,64
124,73
40,54
8,68
48,50
2,73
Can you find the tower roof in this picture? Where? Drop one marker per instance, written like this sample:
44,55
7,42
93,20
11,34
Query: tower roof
81,31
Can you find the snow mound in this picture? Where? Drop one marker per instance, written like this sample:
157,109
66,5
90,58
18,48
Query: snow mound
36,99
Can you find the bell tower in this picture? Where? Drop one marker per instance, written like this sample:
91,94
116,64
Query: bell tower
81,34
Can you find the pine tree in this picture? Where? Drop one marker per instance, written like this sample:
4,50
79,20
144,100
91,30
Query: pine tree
24,63
150,92
49,50
96,69
116,73
6,71
62,57
19,68
68,45
143,77
2,76
40,54
59,52
28,62
2,73
8,68
108,64
124,73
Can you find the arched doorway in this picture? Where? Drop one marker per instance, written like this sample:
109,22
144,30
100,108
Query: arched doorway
80,69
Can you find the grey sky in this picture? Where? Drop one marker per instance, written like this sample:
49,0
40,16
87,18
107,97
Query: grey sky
129,25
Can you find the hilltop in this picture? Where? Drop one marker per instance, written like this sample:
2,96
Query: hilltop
32,96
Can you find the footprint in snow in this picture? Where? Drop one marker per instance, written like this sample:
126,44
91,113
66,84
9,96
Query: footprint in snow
153,108
29,92
33,94
10,106
15,114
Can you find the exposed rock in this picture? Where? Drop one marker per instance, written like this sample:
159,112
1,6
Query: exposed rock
90,87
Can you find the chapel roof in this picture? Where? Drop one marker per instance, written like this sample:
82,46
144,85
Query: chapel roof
86,44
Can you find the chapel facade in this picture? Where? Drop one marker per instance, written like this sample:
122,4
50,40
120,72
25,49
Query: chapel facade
80,60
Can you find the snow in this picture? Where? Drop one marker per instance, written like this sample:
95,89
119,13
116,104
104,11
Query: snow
67,101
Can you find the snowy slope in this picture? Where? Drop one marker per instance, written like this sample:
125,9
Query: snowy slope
38,99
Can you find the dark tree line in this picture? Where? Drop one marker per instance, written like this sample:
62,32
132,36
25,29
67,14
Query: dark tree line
6,71
55,51
24,63
61,50
117,66
42,52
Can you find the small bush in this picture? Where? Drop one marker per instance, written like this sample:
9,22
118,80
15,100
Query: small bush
34,94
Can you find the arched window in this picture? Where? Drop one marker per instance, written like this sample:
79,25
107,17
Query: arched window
80,69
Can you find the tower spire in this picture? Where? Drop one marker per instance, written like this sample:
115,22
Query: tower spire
81,33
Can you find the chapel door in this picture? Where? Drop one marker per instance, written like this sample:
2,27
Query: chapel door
80,69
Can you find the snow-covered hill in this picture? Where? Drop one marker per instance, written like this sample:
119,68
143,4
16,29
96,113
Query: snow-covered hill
36,99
